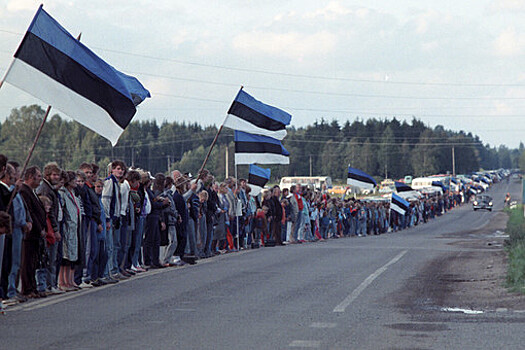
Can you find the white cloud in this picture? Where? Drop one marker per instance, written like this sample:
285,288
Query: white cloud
509,43
507,6
291,45
22,5
332,11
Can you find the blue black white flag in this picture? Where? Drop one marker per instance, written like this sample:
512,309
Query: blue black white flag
440,185
53,66
398,204
402,187
254,117
260,149
360,179
258,178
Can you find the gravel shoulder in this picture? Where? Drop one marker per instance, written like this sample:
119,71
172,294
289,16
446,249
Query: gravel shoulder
472,279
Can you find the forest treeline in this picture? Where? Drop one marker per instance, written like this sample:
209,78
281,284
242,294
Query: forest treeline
380,147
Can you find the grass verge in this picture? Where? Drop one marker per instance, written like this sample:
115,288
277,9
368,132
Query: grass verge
516,250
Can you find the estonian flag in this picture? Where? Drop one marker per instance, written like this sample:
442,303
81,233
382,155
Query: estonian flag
402,187
252,116
257,178
398,204
439,184
360,179
251,148
53,66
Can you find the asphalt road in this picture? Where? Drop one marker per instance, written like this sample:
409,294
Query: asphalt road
340,294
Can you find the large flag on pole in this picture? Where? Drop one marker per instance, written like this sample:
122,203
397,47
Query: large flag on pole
254,117
440,185
53,66
402,187
257,178
398,204
360,179
260,149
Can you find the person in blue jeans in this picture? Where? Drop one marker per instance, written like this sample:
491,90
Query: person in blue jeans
324,223
111,201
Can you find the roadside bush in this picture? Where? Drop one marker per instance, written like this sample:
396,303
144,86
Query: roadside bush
516,225
516,269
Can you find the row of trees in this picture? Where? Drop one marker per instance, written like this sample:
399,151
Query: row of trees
382,148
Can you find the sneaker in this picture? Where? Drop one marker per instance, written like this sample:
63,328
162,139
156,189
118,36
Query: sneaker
10,302
131,272
141,269
97,283
55,290
109,280
20,298
85,285
119,277
126,274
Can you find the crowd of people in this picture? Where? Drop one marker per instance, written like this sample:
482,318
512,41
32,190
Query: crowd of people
67,230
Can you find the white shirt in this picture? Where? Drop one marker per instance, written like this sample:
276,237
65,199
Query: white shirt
124,196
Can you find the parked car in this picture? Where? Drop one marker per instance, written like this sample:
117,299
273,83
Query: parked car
482,202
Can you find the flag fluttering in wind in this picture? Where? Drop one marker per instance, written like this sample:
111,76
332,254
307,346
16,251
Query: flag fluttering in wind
252,116
402,187
250,148
440,185
257,178
360,179
58,69
398,204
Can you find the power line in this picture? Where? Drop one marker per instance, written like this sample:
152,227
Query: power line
307,76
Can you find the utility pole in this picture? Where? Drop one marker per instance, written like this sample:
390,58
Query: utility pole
453,162
133,157
169,163
310,165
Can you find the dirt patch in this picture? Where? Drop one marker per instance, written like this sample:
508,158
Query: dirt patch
470,279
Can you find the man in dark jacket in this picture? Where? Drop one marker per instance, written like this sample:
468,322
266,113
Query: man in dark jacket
94,224
32,240
211,212
275,214
48,188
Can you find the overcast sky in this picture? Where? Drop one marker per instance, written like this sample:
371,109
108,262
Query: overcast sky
455,63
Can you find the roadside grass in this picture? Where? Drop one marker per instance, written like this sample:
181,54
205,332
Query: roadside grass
516,250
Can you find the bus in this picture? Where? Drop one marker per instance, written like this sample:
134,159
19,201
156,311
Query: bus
316,182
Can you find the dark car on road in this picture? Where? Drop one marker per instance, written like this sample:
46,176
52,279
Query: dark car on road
482,202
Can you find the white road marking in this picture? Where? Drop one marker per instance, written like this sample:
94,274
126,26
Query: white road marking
55,299
305,344
356,292
323,325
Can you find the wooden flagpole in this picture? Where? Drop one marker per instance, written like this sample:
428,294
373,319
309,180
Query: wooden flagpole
31,150
212,145
15,191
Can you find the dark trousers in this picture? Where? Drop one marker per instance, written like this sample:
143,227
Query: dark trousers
209,235
82,243
100,261
275,227
93,249
181,239
152,240
30,263
125,242
6,265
